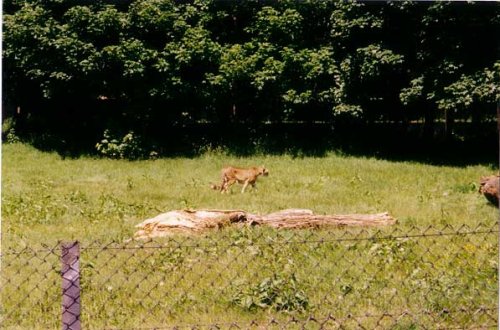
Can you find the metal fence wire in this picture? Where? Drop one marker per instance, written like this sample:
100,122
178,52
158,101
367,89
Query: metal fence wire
417,278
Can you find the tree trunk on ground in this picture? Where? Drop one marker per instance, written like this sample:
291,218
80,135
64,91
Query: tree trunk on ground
196,221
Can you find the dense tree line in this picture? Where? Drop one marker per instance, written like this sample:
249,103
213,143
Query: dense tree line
78,68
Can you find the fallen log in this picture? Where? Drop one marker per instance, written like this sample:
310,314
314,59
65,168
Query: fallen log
294,219
196,221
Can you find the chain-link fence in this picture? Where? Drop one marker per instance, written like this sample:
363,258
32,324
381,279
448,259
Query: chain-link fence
258,278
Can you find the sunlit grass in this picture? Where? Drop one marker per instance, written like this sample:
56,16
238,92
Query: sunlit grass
209,279
50,198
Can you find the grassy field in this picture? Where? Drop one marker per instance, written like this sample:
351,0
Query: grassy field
47,198
226,276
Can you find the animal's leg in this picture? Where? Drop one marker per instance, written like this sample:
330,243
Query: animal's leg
244,186
229,183
223,185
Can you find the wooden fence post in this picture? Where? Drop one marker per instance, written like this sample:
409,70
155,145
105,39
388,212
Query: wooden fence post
70,259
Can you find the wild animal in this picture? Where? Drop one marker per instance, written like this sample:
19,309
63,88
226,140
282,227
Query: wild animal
245,176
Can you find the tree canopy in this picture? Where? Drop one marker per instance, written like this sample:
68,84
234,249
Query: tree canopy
79,67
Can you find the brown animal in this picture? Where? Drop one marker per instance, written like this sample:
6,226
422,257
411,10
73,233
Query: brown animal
244,176
489,186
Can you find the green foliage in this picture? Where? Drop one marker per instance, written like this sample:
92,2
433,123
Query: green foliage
374,58
9,132
276,292
128,147
347,110
271,25
129,57
11,136
171,62
450,70
414,92
482,86
155,18
349,19
311,73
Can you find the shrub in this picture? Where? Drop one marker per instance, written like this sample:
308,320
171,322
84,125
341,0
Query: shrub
128,147
11,136
277,292
8,131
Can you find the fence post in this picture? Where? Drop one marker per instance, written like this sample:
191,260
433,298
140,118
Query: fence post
70,273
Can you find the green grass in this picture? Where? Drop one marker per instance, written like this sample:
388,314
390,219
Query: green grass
45,197
225,276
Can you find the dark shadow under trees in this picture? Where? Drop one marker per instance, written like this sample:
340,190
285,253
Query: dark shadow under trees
468,145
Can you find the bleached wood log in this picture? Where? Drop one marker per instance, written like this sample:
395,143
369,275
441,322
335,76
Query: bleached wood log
290,220
196,221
